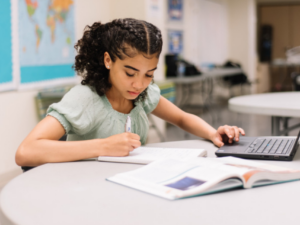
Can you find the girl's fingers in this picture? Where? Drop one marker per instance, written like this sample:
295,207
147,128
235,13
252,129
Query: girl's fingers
135,144
218,143
242,131
230,133
236,133
134,136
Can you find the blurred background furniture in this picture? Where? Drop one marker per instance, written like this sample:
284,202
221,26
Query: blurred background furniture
195,93
186,83
281,106
233,80
167,90
296,81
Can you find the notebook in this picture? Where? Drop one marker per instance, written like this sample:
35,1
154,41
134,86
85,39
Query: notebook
145,155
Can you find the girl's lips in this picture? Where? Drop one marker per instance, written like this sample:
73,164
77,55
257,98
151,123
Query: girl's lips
134,93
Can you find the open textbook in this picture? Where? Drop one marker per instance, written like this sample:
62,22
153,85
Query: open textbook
145,155
175,179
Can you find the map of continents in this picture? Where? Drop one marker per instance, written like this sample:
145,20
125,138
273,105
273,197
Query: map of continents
46,39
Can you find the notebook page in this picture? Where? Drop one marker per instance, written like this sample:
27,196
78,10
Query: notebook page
145,155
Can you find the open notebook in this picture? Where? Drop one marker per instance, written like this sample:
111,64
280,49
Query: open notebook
145,155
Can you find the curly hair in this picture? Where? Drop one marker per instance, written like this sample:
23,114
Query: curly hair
118,38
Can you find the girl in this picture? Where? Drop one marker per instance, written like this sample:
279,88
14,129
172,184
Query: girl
117,61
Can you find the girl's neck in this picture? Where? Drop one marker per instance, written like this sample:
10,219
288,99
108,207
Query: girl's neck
118,102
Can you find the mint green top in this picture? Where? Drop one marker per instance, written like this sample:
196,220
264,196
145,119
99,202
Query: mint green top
85,115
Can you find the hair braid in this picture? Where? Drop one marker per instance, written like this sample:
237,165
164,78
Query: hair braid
127,24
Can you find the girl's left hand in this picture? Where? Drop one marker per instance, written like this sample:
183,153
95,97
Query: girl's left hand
226,134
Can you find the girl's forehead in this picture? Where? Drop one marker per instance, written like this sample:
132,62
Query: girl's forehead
140,59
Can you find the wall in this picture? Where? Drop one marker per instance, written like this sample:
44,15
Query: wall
242,35
17,114
17,119
127,9
206,27
205,31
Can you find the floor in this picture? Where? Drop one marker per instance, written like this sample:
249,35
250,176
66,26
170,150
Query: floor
254,125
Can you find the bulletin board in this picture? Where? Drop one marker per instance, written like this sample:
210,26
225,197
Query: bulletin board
7,81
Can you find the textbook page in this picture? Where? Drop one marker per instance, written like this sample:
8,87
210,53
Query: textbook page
173,179
259,174
145,155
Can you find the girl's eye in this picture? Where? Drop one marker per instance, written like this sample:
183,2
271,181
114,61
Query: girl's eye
130,75
150,76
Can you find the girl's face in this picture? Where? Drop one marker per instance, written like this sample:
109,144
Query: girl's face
131,76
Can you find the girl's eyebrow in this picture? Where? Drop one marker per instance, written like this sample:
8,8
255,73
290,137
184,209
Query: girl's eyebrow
130,67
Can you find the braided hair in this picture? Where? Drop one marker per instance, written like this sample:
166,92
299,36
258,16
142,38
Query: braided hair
118,38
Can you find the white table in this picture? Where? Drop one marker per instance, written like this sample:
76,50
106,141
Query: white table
213,73
77,193
205,92
280,106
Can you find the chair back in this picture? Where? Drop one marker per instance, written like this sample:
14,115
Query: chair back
43,100
167,90
296,81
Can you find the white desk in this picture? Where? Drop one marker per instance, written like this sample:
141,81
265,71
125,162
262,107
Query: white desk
280,106
185,84
77,193
213,73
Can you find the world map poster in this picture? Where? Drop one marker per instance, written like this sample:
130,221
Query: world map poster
46,41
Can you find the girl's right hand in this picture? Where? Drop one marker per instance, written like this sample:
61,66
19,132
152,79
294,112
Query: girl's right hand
121,144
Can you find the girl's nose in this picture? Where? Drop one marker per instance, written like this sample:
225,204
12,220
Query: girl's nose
138,84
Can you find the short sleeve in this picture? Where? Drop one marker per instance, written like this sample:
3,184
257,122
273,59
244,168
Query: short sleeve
152,99
75,110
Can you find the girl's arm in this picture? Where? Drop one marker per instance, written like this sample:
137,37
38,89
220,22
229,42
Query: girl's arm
195,125
42,146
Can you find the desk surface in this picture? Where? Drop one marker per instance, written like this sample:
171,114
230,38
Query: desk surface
273,104
77,193
213,73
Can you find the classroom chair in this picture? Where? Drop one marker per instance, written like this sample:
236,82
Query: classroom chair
296,81
167,90
43,100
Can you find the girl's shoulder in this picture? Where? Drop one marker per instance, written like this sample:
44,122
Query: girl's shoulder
152,98
83,94
82,90
79,110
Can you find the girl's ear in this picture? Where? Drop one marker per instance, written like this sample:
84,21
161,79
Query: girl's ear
107,60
